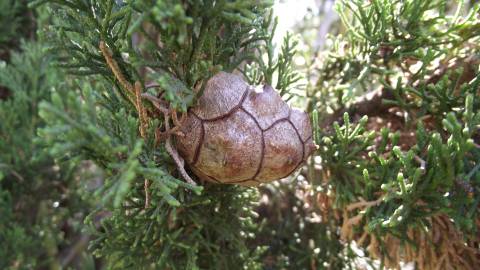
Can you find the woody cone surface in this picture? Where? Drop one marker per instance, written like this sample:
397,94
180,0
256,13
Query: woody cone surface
239,135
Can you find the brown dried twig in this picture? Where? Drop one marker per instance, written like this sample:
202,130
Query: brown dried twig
174,154
135,95
131,90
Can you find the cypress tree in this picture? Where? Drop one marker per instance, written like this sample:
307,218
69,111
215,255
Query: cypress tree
87,177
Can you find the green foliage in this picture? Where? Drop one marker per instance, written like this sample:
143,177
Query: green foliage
182,44
107,135
394,103
176,46
274,69
30,227
419,62
210,231
295,231
402,177
14,23
385,38
17,244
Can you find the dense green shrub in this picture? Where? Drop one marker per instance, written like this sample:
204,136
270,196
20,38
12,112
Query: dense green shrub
87,182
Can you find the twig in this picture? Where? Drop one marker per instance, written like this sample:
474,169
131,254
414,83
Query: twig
152,85
179,162
142,114
146,185
136,91
363,203
17,175
116,71
174,154
115,68
157,103
423,164
178,123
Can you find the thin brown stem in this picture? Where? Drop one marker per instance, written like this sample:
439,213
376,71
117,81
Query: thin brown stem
116,71
158,103
142,114
175,156
146,185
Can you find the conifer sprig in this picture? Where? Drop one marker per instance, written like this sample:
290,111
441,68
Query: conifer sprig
171,48
415,67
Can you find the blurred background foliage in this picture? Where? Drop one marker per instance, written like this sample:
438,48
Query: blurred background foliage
392,88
